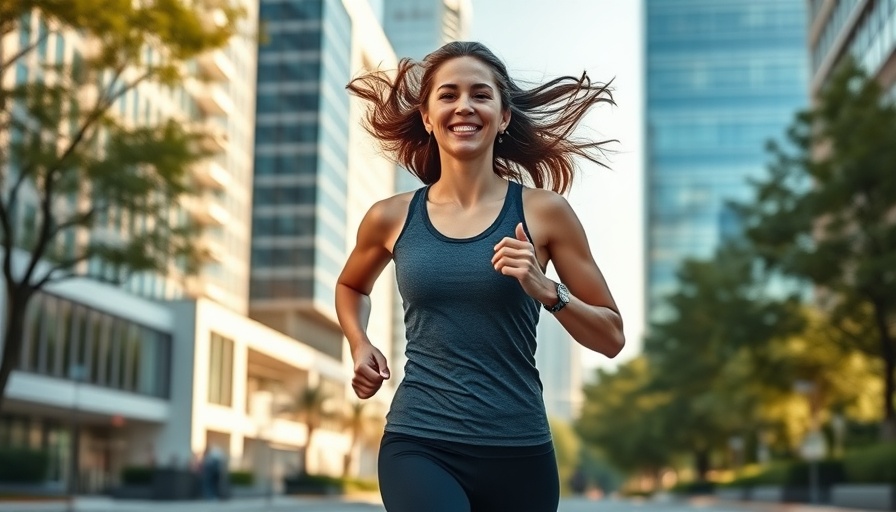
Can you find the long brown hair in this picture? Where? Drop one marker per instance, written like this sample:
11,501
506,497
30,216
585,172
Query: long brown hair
536,146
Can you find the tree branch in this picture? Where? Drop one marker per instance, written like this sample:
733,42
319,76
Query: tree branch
46,226
64,266
5,64
97,112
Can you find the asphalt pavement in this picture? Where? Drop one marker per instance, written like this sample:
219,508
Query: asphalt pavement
371,504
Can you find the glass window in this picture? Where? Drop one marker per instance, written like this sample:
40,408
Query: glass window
220,372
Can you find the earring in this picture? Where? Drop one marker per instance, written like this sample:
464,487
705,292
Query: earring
500,137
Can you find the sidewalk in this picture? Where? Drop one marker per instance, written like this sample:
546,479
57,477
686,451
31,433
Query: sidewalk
756,506
102,504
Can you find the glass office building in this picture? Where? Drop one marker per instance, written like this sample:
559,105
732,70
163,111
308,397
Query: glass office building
301,161
723,77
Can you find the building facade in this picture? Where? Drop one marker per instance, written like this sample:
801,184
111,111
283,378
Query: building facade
865,29
559,362
723,77
301,169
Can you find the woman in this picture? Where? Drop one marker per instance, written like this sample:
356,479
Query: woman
467,429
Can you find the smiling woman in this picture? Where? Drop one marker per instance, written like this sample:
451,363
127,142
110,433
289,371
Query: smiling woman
467,428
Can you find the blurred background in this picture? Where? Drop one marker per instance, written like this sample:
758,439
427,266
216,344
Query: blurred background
180,183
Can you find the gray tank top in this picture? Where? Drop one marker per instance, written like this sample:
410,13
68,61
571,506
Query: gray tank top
470,375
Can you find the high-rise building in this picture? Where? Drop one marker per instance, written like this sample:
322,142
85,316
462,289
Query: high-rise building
559,363
417,27
865,29
723,77
301,169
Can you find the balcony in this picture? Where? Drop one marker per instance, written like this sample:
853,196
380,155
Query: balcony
211,174
211,98
211,249
216,66
206,211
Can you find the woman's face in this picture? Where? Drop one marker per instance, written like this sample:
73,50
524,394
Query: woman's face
463,111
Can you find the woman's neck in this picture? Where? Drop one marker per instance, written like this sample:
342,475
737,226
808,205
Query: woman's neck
466,184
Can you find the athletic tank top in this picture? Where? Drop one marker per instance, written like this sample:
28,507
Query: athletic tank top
470,375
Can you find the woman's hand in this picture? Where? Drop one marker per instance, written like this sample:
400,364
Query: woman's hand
371,370
515,257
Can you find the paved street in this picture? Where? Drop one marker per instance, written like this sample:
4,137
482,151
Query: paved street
369,505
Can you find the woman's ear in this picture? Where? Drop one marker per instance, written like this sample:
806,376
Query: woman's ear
426,124
505,119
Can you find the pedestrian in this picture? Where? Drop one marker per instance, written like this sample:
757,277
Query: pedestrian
467,428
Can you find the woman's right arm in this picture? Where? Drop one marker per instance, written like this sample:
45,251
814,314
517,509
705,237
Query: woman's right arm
366,262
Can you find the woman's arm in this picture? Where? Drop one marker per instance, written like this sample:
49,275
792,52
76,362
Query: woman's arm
364,265
591,317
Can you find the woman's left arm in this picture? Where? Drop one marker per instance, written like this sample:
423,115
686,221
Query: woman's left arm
591,317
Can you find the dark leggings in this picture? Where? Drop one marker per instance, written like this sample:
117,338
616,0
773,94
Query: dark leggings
421,475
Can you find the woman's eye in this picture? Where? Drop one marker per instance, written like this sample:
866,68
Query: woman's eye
446,96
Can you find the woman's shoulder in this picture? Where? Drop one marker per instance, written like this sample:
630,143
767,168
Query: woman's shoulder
391,211
543,201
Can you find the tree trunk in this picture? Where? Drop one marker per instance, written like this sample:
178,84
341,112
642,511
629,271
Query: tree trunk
16,306
701,464
306,451
888,429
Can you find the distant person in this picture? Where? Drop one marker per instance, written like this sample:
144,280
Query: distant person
467,429
212,470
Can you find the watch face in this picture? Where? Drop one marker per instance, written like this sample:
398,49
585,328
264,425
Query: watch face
562,292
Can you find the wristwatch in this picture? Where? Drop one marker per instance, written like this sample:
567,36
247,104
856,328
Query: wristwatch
562,299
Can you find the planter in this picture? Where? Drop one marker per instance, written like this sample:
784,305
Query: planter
732,493
312,486
864,496
767,493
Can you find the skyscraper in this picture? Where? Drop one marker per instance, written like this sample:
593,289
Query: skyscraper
301,166
417,27
723,77
864,29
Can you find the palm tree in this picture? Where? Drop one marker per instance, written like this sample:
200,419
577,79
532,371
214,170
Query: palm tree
309,406
355,423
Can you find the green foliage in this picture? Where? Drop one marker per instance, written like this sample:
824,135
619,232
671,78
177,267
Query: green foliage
242,478
876,464
619,418
825,211
79,183
23,465
566,449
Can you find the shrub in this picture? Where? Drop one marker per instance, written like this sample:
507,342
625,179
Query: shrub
23,465
875,464
242,478
137,475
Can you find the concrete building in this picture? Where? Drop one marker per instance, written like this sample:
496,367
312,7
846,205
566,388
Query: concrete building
865,29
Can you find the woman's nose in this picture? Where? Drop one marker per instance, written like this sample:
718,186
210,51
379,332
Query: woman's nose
463,107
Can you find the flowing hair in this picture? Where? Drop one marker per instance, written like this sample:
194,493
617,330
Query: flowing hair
536,148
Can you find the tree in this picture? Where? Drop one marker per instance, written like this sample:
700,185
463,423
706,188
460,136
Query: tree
309,405
618,419
69,165
722,319
825,214
566,450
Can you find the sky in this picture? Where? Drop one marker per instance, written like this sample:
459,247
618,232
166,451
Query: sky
543,39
